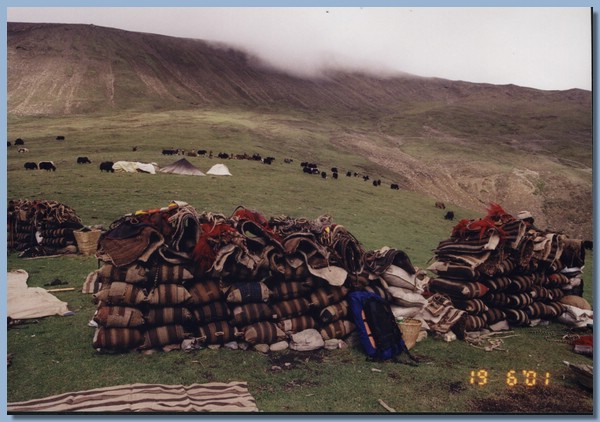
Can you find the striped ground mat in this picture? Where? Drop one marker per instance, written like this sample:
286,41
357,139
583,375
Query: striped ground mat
210,397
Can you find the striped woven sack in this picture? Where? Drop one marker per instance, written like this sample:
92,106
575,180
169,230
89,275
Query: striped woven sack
119,293
218,332
497,300
92,283
248,292
494,315
206,291
249,313
541,293
334,312
119,316
556,293
169,315
536,310
474,322
210,312
328,295
399,277
285,290
290,308
133,273
406,298
517,317
472,306
166,273
554,309
168,295
520,283
297,324
496,284
163,336
457,289
557,279
263,333
379,291
519,300
338,329
453,271
117,339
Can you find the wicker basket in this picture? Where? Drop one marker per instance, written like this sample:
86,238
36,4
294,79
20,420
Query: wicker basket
87,241
410,331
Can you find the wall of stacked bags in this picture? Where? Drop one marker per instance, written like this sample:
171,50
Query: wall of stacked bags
41,227
500,271
174,277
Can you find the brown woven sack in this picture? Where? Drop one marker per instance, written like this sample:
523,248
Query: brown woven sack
166,273
156,316
133,273
163,335
119,316
325,296
119,293
209,312
117,339
249,313
289,290
334,312
218,332
290,308
168,295
297,324
263,333
248,292
338,329
205,292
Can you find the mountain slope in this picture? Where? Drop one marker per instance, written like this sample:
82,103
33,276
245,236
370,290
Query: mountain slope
463,143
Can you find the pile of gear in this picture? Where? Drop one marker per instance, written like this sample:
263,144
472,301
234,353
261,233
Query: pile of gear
502,271
176,278
41,227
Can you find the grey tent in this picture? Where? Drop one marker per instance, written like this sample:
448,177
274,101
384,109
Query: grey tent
182,166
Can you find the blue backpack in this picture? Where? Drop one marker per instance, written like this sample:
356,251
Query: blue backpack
376,325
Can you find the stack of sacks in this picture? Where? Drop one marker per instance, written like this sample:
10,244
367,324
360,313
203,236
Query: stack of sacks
141,289
173,276
501,272
41,227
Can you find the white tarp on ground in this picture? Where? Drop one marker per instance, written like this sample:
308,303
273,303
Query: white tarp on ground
25,302
134,166
219,170
182,166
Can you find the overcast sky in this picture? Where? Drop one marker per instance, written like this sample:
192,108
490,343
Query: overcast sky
546,48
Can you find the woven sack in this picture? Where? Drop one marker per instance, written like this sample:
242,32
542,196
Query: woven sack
334,312
326,296
118,316
472,306
218,332
248,292
156,316
117,339
297,324
209,312
92,283
133,273
163,335
168,295
249,313
119,293
166,273
406,298
290,308
289,290
456,289
205,292
263,333
338,329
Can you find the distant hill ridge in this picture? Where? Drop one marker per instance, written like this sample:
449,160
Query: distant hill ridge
465,143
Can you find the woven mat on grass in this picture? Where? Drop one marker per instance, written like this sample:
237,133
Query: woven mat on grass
210,397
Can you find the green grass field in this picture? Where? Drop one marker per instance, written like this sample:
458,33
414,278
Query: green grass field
55,355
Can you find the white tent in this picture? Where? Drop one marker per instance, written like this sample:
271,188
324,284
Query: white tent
219,170
182,166
134,166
